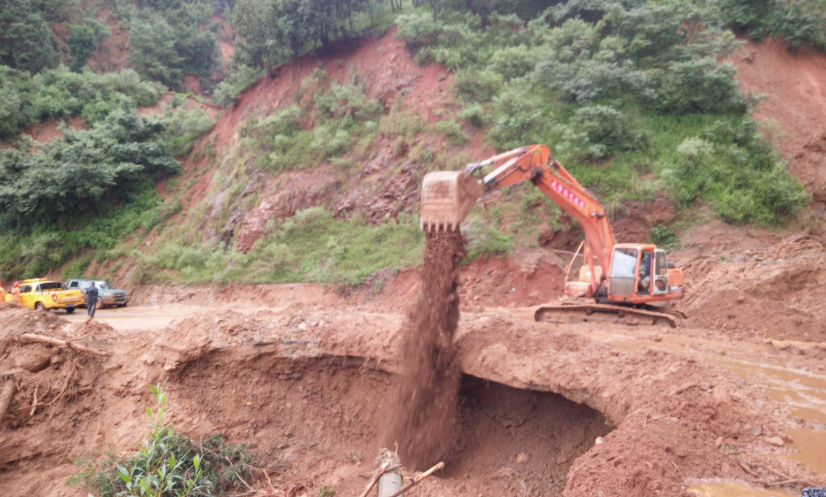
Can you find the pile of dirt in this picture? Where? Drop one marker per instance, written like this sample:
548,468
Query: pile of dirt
51,385
423,410
766,294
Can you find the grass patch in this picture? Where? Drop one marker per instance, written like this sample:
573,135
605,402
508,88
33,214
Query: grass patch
312,246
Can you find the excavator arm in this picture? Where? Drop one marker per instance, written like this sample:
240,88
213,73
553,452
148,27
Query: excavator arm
449,196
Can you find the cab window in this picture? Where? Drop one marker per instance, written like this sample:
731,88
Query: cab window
624,263
73,284
26,289
661,266
52,285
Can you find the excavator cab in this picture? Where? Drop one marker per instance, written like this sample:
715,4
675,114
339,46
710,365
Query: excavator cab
640,274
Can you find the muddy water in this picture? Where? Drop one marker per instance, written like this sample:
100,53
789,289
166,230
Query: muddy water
809,447
733,489
802,390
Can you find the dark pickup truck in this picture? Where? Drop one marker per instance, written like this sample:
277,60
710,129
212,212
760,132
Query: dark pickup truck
108,295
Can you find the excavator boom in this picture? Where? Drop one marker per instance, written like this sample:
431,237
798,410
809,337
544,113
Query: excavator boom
448,196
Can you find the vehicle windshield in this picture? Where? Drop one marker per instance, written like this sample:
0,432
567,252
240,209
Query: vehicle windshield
99,284
51,285
624,263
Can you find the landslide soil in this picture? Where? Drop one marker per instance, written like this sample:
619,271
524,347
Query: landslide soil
309,385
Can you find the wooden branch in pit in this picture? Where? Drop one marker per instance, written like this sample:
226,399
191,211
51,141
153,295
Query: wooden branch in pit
375,478
416,480
5,396
28,337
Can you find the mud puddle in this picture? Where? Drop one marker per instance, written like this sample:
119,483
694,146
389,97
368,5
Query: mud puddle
809,447
733,489
802,390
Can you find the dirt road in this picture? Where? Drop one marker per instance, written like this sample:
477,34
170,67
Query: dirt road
151,317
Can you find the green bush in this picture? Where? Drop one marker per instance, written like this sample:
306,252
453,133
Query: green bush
60,93
473,86
484,241
453,132
83,171
603,131
312,246
663,237
184,127
25,37
240,78
77,268
517,118
514,62
168,464
701,85
474,114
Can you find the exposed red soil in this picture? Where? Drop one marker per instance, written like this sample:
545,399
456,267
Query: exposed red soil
387,184
772,293
47,131
795,82
193,85
113,55
307,386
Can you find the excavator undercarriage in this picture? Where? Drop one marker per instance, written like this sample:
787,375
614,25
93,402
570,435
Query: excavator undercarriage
588,312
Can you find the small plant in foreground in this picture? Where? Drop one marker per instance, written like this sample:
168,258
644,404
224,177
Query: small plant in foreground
169,464
326,491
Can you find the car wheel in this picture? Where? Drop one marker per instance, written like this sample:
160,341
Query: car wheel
39,306
70,311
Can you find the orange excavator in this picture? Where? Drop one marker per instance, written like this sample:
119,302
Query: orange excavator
638,273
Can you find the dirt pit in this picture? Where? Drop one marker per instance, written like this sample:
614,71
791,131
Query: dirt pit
512,441
301,411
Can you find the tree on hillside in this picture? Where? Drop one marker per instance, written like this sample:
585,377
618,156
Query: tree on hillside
25,38
261,41
83,170
153,51
81,45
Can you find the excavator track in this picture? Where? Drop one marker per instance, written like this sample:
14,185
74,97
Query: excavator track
602,313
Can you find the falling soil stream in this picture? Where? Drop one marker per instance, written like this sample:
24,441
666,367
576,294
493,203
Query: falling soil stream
422,415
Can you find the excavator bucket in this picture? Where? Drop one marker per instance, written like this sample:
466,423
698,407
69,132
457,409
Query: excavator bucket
447,197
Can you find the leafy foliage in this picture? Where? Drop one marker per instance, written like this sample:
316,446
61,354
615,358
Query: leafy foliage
484,241
25,37
84,170
169,464
59,93
628,81
83,41
797,21
312,246
340,112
